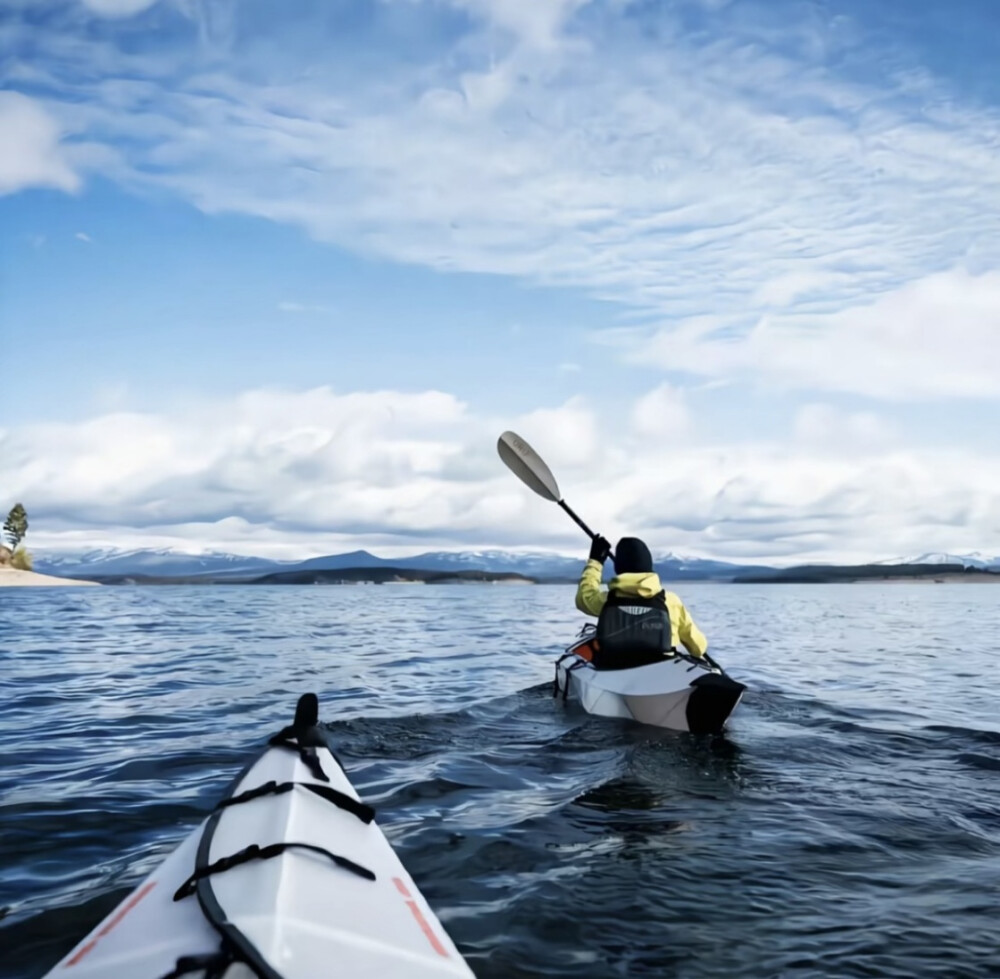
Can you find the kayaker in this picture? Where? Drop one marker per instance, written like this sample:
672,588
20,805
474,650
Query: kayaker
637,620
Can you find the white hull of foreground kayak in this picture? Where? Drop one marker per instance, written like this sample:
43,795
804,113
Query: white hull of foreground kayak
679,692
301,913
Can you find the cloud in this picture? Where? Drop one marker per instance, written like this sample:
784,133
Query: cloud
932,338
776,182
662,413
567,435
292,307
823,426
319,470
536,23
296,459
83,236
30,151
111,397
118,8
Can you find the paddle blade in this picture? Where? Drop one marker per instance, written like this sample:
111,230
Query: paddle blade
525,463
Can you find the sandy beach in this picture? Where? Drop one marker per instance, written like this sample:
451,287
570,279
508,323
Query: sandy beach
13,578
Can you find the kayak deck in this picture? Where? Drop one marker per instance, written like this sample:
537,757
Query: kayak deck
289,877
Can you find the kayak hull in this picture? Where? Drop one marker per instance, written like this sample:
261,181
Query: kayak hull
337,893
678,692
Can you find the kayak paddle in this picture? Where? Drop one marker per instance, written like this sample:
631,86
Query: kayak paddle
529,467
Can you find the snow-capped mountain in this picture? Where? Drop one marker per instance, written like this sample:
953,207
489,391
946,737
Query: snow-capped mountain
165,562
534,564
65,562
112,563
147,561
681,565
972,560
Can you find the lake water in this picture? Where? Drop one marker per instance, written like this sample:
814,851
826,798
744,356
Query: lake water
847,825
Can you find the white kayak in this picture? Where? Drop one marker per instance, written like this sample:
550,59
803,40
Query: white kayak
679,692
289,878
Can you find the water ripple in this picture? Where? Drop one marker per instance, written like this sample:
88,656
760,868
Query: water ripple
847,825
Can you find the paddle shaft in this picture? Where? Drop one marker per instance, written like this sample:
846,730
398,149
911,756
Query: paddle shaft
579,522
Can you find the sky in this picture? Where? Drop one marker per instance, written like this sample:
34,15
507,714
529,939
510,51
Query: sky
274,277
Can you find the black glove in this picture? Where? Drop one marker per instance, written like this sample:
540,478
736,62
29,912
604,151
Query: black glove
599,549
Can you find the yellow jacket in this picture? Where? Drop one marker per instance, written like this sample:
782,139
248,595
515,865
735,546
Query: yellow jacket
590,598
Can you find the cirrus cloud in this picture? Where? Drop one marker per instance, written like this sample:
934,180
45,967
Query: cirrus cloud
118,8
736,175
935,337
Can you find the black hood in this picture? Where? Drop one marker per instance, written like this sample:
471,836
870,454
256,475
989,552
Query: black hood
632,556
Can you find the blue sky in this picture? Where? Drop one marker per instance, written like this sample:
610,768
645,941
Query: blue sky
276,276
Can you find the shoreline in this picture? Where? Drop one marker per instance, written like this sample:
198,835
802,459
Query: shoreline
948,578
15,578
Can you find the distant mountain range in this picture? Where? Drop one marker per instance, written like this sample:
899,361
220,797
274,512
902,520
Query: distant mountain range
540,566
112,561
212,565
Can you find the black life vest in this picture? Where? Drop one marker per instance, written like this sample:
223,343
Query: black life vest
633,631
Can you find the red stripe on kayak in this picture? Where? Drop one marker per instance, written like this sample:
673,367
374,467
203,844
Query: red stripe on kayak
421,920
83,951
122,911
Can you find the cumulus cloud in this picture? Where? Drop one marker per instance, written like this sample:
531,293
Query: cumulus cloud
30,150
302,459
822,425
662,413
567,436
296,472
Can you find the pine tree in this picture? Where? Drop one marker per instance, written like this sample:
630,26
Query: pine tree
14,529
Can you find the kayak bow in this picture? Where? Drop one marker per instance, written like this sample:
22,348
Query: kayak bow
288,878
